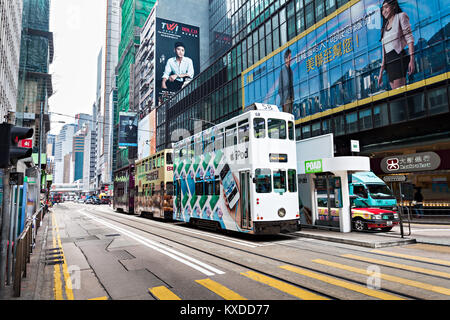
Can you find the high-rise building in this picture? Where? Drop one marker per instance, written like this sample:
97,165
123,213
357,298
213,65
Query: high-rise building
78,153
35,81
331,53
10,35
134,15
63,147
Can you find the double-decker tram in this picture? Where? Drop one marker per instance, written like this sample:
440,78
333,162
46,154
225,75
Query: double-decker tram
123,199
240,175
154,185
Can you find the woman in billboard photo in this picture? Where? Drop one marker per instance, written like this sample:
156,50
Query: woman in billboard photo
396,34
179,70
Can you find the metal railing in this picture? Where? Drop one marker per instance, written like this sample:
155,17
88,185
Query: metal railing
24,248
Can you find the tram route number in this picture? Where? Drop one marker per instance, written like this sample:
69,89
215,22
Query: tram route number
229,309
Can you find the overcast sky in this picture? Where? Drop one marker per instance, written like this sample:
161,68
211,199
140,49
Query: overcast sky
78,28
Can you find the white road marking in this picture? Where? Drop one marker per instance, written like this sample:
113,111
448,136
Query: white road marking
181,257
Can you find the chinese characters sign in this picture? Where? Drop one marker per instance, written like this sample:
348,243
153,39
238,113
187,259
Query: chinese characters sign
424,161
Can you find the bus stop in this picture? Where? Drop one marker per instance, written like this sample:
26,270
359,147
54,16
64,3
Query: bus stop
323,183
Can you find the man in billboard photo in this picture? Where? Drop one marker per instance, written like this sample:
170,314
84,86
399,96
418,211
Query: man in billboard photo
179,70
396,34
131,132
286,84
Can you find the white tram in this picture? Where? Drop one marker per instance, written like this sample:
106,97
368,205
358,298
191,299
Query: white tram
240,175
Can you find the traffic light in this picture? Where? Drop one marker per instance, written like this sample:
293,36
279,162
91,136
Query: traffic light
10,136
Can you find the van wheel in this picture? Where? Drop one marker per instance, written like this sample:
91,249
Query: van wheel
359,224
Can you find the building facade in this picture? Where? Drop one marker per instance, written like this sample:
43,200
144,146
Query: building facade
63,147
10,36
335,54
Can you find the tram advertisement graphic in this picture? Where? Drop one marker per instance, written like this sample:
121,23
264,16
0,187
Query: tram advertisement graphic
177,57
338,61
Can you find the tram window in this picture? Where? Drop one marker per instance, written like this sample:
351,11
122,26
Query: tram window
199,188
169,188
217,187
263,180
244,133
161,158
230,137
169,158
209,188
292,180
276,128
198,146
291,130
259,125
218,140
209,146
279,181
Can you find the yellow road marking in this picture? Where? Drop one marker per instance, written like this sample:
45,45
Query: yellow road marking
100,298
344,284
282,286
412,283
399,266
66,275
430,247
220,290
162,293
400,255
56,270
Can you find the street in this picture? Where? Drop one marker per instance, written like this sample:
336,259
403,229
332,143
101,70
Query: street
109,255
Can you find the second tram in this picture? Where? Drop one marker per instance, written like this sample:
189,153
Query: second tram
154,185
240,175
123,199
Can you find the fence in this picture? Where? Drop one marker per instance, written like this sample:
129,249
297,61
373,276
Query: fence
24,248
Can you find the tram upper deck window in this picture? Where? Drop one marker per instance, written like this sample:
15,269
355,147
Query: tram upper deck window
259,125
169,158
276,128
230,136
244,133
208,143
218,139
263,180
279,181
291,130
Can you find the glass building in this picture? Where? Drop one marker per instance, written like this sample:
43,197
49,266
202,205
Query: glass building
335,49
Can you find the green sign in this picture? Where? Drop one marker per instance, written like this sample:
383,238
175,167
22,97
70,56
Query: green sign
313,166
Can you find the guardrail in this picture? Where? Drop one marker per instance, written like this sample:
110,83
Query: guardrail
24,248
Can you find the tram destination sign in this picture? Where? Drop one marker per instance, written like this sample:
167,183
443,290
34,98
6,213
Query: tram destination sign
424,161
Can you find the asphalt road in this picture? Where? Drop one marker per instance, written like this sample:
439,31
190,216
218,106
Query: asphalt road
115,256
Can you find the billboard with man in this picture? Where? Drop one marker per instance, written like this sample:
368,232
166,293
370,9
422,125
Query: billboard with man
177,57
128,129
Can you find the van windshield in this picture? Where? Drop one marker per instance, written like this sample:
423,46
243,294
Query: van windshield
380,191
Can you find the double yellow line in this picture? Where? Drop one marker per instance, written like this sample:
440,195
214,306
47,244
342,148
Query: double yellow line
58,289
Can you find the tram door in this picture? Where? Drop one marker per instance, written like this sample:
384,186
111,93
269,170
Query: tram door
246,216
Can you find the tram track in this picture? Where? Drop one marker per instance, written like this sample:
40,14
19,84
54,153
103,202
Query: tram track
132,223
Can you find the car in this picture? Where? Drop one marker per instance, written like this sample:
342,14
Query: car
365,217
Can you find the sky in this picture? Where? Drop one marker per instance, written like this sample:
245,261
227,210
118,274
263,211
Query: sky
78,28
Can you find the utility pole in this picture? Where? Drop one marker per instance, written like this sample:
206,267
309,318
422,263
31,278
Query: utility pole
4,232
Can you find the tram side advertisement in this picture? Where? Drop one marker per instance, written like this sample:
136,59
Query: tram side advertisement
352,55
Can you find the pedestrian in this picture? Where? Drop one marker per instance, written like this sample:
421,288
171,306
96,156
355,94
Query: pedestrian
418,203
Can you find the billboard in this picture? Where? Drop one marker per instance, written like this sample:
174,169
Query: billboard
128,129
177,57
365,51
147,135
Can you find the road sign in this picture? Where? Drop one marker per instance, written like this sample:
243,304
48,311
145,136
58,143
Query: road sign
354,144
396,178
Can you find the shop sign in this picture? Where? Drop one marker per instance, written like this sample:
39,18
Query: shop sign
313,166
424,161
396,178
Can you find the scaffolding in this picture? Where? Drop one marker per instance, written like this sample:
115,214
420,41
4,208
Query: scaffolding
134,15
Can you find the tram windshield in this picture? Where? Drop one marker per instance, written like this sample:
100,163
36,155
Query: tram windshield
263,180
276,128
279,181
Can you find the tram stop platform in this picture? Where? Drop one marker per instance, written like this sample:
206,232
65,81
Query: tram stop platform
362,239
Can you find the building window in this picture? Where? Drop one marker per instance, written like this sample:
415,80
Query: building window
380,116
351,121
365,119
438,101
398,111
416,106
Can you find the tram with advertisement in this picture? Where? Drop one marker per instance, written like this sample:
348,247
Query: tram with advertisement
240,175
123,199
154,185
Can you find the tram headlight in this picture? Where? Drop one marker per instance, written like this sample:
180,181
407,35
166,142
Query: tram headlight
281,212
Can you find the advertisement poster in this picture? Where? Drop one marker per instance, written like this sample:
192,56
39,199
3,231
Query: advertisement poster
177,57
128,129
361,51
143,137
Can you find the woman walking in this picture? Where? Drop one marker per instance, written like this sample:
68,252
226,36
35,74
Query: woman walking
396,34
